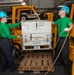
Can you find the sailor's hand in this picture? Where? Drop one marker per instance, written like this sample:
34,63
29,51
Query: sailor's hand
66,29
18,36
23,19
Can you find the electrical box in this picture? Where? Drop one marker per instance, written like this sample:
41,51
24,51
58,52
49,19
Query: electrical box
36,34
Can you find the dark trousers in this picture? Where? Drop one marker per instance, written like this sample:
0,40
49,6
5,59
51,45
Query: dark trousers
64,56
6,58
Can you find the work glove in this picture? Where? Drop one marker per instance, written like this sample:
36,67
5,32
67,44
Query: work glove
66,29
18,36
23,19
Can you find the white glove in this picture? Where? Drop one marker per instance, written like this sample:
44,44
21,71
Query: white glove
23,19
18,36
66,29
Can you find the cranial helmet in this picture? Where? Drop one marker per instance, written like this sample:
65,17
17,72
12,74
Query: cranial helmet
66,9
2,14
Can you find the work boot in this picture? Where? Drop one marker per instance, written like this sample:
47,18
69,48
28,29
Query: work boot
14,68
67,72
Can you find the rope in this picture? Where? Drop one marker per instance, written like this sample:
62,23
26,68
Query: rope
58,39
58,54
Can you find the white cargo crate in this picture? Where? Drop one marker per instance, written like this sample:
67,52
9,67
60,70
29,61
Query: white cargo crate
36,34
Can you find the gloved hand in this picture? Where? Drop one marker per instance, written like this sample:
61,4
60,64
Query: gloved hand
66,29
23,19
18,36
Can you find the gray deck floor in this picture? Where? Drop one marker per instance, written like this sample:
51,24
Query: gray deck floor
59,70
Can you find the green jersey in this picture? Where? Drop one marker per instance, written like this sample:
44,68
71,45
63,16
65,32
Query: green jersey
63,23
4,30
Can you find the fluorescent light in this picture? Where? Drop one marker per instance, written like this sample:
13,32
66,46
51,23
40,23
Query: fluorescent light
20,0
23,3
60,5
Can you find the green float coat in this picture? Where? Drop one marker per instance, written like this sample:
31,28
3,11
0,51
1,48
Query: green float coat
4,30
63,23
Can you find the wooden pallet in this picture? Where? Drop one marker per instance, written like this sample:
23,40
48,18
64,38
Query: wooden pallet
37,47
36,62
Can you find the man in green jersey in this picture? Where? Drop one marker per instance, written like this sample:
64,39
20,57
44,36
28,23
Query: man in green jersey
6,59
64,25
